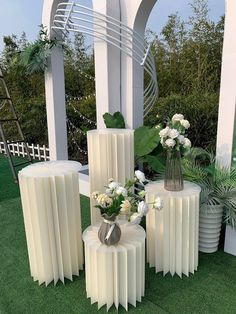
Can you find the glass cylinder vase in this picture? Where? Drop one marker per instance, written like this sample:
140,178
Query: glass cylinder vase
173,173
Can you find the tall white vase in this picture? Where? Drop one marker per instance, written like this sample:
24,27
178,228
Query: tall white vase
210,223
110,155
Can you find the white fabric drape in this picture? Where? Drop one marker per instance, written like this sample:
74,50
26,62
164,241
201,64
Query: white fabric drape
172,232
111,155
115,274
51,208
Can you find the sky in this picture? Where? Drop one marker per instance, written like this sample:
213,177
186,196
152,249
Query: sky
17,16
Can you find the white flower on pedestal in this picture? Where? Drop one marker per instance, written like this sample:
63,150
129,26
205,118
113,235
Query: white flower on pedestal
177,117
185,124
187,143
173,133
143,208
170,142
164,132
121,191
140,176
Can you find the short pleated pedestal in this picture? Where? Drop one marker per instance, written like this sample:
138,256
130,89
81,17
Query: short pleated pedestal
173,231
111,155
51,208
115,274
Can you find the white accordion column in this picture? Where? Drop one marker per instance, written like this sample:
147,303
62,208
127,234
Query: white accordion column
51,208
172,232
115,274
111,155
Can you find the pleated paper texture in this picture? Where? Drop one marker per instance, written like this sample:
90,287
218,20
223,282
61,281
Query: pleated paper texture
51,208
111,155
172,233
115,274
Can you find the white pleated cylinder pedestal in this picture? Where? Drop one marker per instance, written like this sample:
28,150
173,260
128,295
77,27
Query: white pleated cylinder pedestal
51,208
110,155
172,232
115,274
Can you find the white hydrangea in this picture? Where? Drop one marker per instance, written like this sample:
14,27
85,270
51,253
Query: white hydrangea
181,139
135,219
173,133
140,176
143,208
185,123
114,185
187,143
121,191
170,142
164,132
177,117
104,200
125,207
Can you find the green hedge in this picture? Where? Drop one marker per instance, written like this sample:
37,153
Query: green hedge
200,110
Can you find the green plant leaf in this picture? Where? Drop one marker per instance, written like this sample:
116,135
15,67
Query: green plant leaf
155,163
115,121
145,140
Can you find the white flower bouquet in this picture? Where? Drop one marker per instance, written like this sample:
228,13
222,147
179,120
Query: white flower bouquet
118,199
173,136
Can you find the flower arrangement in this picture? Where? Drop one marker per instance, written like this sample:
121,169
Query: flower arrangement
119,199
173,136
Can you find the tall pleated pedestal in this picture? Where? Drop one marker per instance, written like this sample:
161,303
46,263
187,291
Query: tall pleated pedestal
51,208
172,232
111,155
115,274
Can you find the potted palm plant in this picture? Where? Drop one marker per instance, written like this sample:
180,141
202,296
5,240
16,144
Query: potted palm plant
218,198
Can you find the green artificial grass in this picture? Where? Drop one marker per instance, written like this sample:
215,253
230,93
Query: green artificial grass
210,290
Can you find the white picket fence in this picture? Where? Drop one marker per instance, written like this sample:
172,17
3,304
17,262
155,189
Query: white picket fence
18,149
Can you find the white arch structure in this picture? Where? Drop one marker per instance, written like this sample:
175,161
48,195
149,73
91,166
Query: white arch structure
119,76
121,57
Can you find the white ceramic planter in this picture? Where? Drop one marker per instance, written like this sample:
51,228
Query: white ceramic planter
230,240
210,222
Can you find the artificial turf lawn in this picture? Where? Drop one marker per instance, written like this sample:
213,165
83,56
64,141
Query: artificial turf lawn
212,289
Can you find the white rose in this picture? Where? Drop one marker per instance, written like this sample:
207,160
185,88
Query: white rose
140,176
143,208
158,203
177,117
125,207
187,143
181,139
164,132
121,191
185,124
114,185
173,133
135,219
170,142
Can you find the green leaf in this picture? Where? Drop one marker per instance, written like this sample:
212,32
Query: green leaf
155,163
115,121
145,140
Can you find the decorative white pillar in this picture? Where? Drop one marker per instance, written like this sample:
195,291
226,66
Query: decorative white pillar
228,89
55,91
107,64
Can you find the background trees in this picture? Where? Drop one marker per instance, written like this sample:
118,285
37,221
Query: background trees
188,60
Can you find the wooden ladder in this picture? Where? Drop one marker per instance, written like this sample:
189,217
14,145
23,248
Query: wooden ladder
7,101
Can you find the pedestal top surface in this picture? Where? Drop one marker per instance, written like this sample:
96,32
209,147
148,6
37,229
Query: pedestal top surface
157,187
50,168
